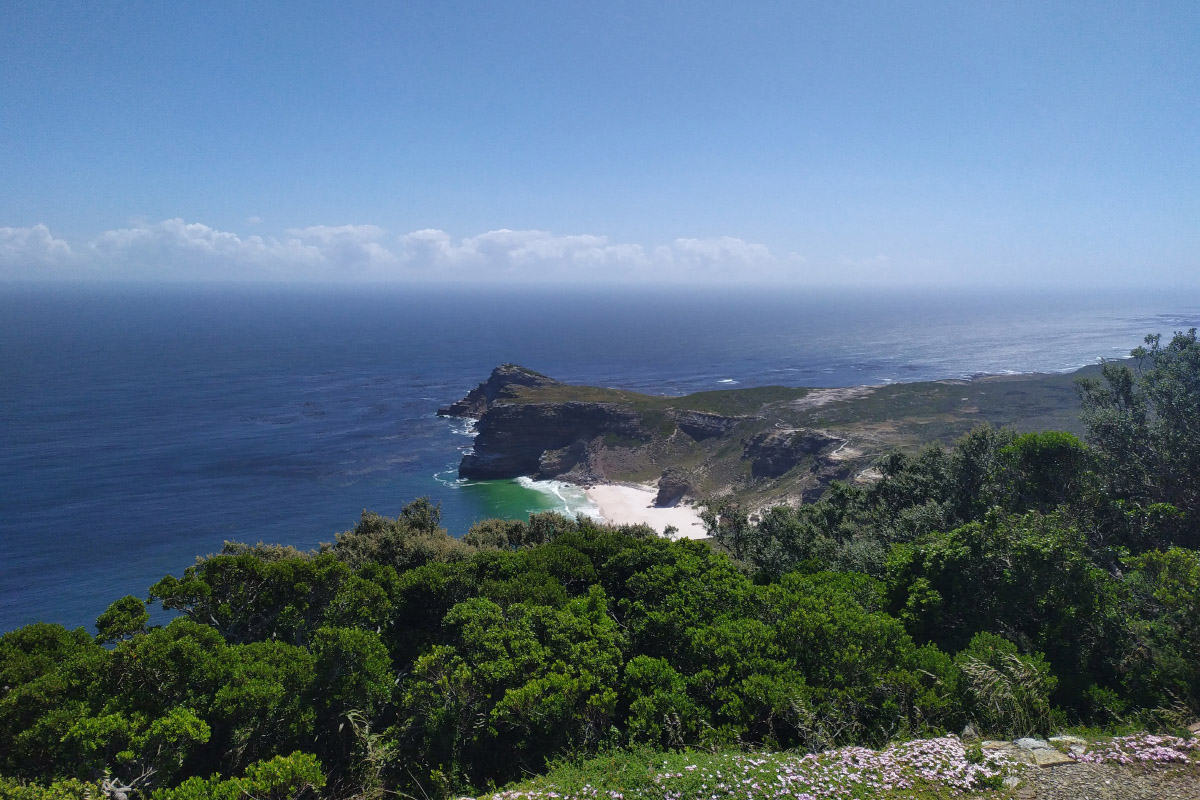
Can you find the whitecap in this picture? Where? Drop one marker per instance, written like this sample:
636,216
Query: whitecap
464,426
449,477
569,499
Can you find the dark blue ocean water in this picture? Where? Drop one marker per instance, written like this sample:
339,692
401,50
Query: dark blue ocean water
142,426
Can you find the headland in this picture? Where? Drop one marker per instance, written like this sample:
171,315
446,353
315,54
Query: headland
652,459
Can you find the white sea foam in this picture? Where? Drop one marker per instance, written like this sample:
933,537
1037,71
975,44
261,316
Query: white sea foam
727,380
449,477
464,426
569,499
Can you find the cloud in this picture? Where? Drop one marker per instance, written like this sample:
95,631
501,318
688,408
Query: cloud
32,252
540,255
721,256
347,246
530,254
175,249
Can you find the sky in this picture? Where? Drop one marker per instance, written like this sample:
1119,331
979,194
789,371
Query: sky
836,143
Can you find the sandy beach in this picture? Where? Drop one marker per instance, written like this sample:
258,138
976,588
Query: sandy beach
632,505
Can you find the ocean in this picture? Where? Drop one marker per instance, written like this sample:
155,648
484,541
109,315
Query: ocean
142,426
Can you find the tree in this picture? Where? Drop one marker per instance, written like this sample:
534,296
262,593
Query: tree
410,540
1145,426
1044,470
1164,671
123,619
1029,578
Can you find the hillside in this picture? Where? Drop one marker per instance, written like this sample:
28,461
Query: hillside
757,445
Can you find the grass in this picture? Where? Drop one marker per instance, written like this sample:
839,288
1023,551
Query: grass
922,769
730,402
927,769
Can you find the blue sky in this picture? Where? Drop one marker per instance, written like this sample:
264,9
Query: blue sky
836,143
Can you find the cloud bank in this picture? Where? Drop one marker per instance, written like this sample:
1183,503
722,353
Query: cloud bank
174,249
33,251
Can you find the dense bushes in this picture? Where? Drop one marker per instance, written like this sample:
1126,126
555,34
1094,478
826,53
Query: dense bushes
474,669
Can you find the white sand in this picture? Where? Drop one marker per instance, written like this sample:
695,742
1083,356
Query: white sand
633,505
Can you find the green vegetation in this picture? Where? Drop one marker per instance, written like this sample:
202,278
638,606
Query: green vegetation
1020,581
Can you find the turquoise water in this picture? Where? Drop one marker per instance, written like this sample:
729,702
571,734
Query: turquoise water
143,426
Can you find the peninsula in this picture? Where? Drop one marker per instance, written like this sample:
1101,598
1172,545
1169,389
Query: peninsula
762,446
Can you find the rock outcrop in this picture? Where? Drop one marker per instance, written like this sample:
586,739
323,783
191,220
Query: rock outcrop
772,453
673,486
701,425
500,385
545,440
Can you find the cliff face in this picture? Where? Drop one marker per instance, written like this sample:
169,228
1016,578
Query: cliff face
773,453
544,439
500,385
701,425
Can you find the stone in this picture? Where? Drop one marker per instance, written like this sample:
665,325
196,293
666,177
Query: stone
553,463
1194,728
511,438
673,486
1050,758
1067,741
1030,743
1012,782
992,744
971,732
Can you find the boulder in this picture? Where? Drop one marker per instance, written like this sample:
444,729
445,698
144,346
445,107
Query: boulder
673,486
1030,743
1067,741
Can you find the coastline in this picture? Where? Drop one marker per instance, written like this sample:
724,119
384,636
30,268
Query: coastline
625,504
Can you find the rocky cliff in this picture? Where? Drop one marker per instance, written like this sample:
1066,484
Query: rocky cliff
760,445
546,440
772,453
502,384
529,424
